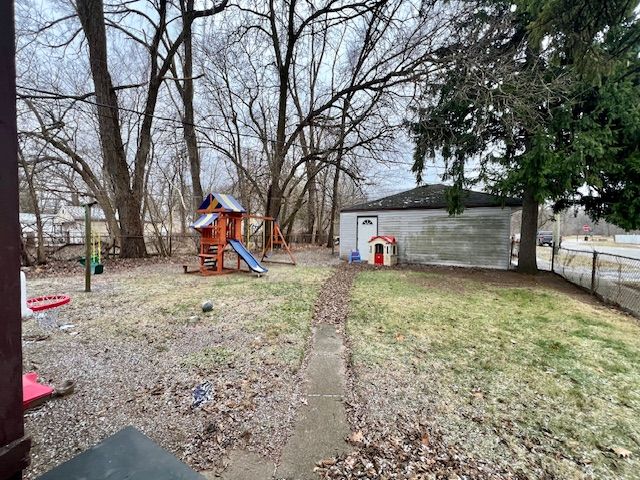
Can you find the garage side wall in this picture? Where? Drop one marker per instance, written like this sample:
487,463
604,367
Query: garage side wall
480,237
348,222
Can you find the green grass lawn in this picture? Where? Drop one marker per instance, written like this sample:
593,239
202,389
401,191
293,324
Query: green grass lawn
532,378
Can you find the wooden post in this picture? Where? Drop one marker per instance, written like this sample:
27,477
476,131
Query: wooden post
513,241
593,272
271,237
14,446
87,247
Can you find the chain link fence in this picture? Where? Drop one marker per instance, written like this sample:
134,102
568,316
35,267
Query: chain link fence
613,278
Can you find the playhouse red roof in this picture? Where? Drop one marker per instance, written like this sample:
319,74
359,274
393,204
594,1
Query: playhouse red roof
386,238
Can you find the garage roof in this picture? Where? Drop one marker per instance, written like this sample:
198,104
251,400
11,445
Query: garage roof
433,197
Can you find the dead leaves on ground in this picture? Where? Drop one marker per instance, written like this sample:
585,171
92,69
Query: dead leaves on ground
406,452
356,438
621,452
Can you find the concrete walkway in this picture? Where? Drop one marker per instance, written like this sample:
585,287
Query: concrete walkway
321,426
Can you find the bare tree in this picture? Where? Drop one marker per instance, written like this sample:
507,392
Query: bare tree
129,188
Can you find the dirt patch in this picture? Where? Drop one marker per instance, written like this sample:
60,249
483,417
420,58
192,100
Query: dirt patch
448,277
333,300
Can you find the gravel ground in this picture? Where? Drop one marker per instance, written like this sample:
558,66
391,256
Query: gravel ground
136,357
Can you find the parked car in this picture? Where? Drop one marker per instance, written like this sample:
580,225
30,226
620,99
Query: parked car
545,238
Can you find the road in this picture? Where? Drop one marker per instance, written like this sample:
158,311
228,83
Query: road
632,252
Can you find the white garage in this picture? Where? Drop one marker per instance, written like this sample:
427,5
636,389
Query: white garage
427,234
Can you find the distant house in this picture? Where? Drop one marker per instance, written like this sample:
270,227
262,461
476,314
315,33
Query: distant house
69,222
427,234
29,228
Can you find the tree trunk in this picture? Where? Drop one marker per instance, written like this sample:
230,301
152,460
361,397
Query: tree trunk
336,178
189,129
334,203
128,201
131,230
321,210
40,253
313,202
528,233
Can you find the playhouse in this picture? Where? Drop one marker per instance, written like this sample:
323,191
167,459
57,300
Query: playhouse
383,250
220,226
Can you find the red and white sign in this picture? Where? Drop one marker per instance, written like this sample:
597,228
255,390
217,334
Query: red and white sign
586,228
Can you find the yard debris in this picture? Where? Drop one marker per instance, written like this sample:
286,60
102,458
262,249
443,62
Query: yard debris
621,452
193,320
356,438
477,393
405,453
37,337
67,388
202,394
334,307
131,352
325,462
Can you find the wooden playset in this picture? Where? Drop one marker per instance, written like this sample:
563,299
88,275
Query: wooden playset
220,226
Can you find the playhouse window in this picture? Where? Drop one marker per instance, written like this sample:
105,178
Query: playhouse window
379,248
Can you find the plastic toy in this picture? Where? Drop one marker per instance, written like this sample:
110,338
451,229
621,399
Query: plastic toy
354,257
25,311
46,302
45,307
96,255
34,393
383,250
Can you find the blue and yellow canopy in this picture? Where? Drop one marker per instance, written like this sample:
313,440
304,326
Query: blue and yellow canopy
217,201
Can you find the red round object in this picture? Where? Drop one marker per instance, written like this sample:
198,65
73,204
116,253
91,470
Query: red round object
46,302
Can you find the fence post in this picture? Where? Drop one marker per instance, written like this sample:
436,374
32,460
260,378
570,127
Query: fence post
87,247
553,256
593,272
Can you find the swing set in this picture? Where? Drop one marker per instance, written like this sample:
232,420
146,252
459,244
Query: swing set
274,239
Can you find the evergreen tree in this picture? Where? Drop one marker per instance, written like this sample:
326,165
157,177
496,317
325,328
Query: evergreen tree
543,95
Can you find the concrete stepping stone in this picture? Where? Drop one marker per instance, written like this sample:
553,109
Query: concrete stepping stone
320,428
244,465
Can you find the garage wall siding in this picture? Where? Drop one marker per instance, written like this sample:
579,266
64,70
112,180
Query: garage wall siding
479,237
